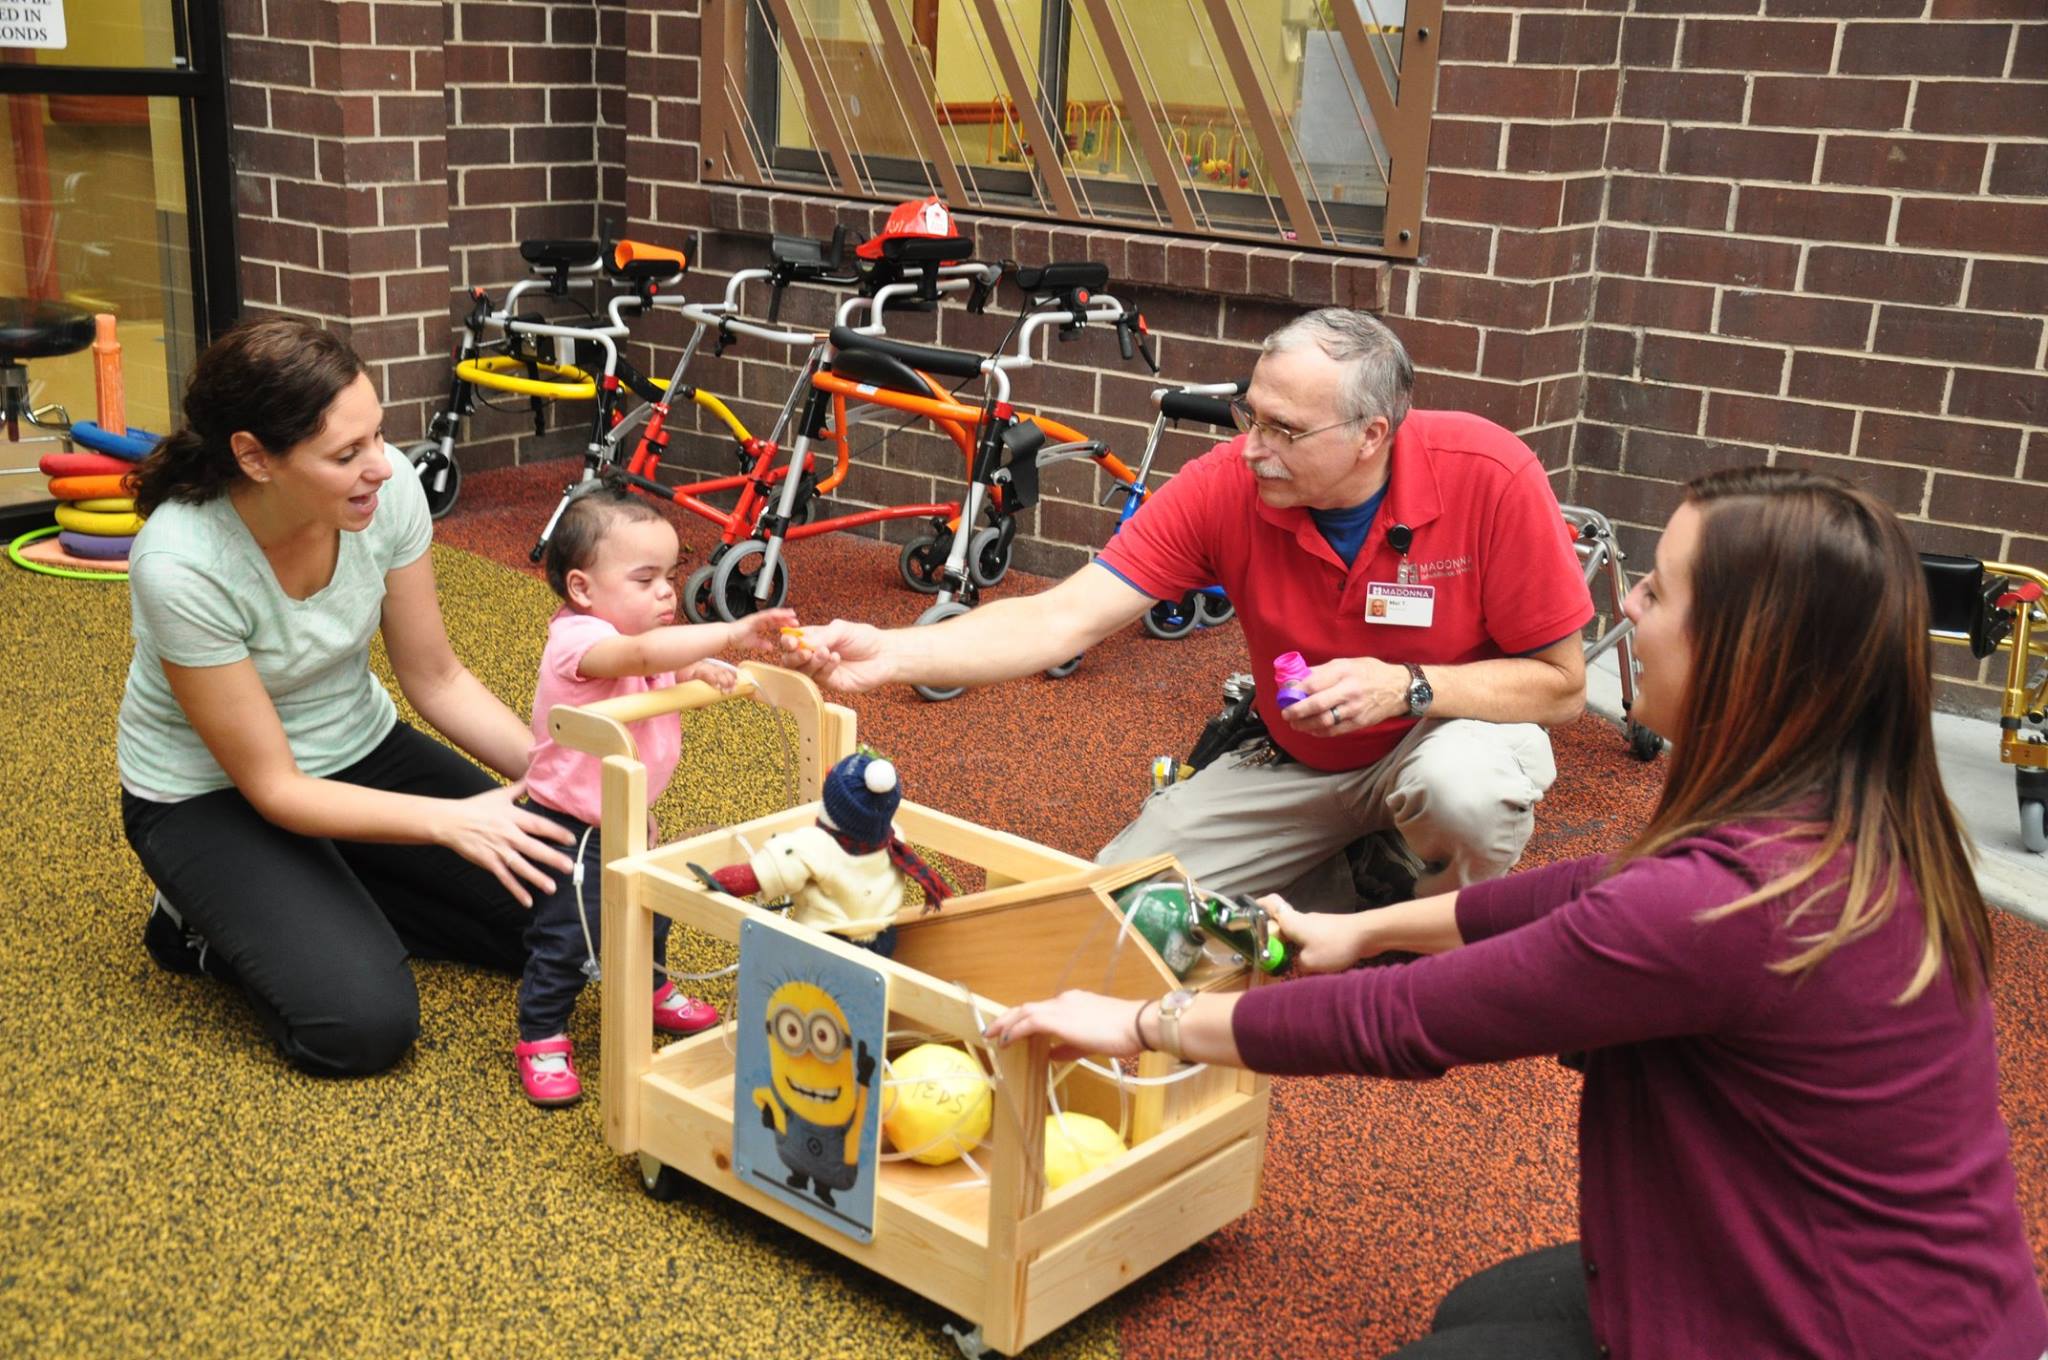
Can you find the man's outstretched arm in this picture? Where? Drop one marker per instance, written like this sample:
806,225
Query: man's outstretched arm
1002,640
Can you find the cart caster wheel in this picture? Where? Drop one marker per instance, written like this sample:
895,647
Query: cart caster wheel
968,1339
1170,619
733,582
1211,610
663,1183
435,472
697,595
988,554
2032,835
922,563
1063,670
939,613
1644,744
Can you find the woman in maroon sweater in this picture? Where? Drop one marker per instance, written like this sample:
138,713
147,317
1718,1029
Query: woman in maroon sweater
1790,1142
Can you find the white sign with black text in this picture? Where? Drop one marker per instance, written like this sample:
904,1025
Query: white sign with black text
32,23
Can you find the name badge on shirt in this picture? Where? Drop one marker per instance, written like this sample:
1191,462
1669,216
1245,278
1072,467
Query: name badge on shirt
1403,606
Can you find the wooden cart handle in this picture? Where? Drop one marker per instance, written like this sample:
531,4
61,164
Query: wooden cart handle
825,732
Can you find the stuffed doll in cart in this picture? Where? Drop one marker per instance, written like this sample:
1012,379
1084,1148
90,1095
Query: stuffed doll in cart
846,872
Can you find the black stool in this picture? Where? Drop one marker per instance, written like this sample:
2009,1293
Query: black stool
36,330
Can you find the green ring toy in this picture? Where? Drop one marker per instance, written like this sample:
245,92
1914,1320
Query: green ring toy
14,556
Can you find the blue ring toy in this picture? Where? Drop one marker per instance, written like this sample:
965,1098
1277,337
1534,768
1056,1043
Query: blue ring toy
134,445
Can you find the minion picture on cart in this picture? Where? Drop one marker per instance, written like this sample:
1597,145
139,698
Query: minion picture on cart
806,1107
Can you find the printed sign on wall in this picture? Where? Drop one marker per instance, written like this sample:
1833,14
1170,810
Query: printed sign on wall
32,23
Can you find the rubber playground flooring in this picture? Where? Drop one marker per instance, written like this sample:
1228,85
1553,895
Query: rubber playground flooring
174,1190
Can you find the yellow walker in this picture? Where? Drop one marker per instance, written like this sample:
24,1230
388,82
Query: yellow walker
1014,1259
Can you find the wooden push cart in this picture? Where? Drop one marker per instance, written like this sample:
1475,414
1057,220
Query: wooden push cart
1015,1259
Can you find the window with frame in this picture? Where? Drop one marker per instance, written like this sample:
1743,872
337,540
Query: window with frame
115,185
1296,121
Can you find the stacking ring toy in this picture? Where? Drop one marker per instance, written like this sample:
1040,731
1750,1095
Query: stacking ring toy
133,446
106,505
14,555
82,465
96,545
503,373
106,523
102,486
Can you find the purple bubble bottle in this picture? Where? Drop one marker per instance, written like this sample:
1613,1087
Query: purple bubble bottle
1289,670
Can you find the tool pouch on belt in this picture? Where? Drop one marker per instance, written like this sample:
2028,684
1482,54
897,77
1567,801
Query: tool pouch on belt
1236,725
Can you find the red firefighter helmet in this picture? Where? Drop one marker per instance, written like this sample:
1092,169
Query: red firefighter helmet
927,217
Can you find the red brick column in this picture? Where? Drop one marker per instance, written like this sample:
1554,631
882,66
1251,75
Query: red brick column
1494,311
341,180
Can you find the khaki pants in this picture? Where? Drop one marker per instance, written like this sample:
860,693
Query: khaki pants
1461,793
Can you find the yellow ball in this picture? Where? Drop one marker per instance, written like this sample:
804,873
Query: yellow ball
1075,1144
939,1104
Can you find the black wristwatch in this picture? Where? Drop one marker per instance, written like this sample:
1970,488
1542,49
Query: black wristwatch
1420,695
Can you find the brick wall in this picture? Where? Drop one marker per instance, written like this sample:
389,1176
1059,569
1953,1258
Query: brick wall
1826,246
1661,236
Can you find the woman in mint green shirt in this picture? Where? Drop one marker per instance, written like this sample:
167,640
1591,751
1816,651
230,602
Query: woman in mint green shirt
304,840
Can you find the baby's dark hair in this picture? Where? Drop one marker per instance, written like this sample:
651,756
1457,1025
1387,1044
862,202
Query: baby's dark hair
573,545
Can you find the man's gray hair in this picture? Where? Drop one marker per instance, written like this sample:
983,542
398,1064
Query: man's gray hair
1381,379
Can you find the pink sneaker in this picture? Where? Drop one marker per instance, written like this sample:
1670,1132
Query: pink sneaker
547,1071
675,1013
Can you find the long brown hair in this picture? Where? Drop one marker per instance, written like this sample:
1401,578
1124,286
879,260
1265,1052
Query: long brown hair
273,379
1811,698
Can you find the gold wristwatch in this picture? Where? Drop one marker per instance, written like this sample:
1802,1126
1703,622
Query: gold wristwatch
1170,1011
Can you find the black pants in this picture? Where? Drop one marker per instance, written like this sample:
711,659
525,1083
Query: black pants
317,931
1530,1307
556,948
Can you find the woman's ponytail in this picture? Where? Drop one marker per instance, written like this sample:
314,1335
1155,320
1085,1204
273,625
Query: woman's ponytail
182,467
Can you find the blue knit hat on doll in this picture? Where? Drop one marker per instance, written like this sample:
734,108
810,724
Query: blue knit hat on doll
861,794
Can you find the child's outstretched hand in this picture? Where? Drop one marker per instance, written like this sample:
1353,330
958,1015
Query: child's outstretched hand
763,631
720,675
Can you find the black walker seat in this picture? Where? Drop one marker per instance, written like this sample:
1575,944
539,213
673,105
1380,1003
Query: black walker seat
1962,602
1048,280
41,330
954,363
879,370
561,254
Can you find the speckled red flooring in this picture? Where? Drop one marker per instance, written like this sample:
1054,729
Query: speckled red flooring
1378,1195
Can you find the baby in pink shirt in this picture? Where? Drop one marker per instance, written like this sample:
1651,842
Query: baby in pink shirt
612,559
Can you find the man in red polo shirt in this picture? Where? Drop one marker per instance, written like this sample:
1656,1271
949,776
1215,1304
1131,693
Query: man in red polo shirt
1416,559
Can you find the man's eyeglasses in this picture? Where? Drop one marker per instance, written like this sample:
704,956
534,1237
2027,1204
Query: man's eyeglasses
1242,416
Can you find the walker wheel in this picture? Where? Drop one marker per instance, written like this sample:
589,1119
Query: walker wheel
1212,608
939,613
1063,670
734,581
1644,744
697,595
922,563
806,501
2032,835
663,1183
1170,619
440,476
988,555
